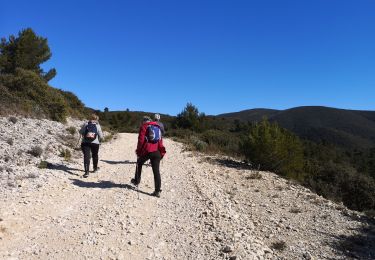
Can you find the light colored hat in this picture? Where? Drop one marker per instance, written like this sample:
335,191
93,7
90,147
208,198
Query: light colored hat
157,117
146,119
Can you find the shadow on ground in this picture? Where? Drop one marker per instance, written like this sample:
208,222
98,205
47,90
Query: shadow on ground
360,245
123,162
105,185
229,163
62,167
119,162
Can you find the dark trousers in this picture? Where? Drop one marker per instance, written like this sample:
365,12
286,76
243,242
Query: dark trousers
155,158
88,148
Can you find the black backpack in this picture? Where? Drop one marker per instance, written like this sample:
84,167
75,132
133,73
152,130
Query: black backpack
91,132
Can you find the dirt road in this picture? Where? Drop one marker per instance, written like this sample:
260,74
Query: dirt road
206,211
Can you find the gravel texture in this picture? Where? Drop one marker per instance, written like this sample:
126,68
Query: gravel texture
210,207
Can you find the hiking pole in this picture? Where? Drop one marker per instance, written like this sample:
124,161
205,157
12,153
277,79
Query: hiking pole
136,174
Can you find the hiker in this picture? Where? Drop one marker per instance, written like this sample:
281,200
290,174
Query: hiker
91,134
150,147
157,119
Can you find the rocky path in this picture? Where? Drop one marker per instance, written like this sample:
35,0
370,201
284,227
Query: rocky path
210,208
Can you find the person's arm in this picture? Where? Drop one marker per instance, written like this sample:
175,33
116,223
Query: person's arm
161,148
100,132
83,129
162,129
141,138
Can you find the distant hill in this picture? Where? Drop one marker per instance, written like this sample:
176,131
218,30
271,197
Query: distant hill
345,128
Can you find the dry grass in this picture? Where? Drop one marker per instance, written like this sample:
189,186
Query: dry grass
254,176
66,154
3,229
72,130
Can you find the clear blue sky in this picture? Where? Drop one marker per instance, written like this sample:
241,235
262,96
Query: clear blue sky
223,56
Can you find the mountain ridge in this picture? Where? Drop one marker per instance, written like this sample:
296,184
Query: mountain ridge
343,127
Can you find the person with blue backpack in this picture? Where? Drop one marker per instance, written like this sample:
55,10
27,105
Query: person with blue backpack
91,135
149,147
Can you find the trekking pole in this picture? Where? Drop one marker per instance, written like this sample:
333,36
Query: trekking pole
136,174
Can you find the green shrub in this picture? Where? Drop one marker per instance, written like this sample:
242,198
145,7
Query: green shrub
198,144
219,140
72,130
43,165
181,134
66,154
274,149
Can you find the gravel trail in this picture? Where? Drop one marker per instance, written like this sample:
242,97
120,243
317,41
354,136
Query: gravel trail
209,209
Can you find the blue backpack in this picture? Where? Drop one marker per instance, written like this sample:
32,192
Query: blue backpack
153,134
91,132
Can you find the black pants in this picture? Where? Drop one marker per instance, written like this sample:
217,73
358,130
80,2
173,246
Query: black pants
86,149
155,158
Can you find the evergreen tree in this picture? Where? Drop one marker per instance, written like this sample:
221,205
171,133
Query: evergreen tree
189,117
27,51
274,149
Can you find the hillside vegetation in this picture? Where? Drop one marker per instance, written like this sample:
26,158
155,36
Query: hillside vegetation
24,84
328,150
345,128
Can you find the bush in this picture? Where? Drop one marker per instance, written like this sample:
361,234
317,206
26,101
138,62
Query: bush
274,149
198,144
221,141
43,165
72,130
36,151
340,182
108,137
66,154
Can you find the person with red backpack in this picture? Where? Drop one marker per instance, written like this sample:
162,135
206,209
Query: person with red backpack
91,134
149,147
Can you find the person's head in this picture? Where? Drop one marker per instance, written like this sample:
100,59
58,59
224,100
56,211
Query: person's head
157,117
93,117
146,119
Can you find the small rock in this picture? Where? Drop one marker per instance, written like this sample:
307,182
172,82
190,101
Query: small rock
307,256
227,249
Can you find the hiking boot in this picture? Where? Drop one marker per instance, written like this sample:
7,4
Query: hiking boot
156,194
87,167
134,182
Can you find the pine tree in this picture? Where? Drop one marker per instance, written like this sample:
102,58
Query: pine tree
27,51
274,148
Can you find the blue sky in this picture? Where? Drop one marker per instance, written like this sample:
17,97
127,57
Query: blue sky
223,56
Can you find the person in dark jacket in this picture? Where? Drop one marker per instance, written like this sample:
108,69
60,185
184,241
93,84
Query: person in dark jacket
149,151
157,119
91,135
